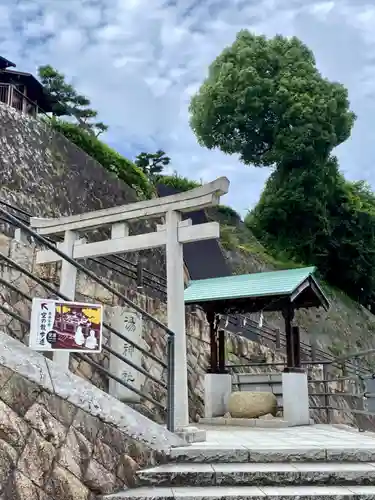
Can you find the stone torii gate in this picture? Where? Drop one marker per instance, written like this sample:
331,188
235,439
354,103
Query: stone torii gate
172,234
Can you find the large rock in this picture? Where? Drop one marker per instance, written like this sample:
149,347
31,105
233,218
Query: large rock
252,404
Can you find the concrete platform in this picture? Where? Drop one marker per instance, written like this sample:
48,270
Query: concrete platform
307,443
272,423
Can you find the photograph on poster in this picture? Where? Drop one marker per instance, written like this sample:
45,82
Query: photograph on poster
69,326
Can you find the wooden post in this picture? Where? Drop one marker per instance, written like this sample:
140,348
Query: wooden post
10,95
213,342
288,314
221,349
68,278
296,347
24,101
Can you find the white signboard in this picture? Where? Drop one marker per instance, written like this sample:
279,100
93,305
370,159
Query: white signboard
58,325
130,325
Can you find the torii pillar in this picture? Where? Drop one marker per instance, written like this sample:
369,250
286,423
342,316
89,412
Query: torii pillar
176,316
173,234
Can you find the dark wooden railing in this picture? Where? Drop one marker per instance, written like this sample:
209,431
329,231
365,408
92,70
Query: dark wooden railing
10,95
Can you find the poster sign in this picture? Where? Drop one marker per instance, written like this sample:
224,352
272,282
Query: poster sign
58,325
130,325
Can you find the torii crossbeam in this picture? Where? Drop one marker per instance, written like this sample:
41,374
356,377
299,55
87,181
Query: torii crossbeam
173,234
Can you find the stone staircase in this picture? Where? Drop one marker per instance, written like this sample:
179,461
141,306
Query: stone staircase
340,471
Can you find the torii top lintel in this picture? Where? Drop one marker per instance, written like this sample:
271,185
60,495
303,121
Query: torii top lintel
117,217
195,199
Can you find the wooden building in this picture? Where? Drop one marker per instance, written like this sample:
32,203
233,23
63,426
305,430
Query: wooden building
22,91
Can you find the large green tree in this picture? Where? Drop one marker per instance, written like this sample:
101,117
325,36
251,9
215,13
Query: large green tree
68,102
265,100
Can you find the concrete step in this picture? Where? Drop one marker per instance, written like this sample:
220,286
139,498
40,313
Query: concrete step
200,453
248,492
259,474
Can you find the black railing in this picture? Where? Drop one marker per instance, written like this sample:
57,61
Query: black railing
240,324
322,390
22,224
154,283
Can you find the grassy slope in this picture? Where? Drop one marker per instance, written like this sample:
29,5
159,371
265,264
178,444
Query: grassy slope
347,327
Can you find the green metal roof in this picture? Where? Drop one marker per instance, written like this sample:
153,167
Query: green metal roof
247,285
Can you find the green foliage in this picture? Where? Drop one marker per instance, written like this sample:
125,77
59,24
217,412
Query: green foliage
317,217
152,164
123,168
229,213
177,181
266,100
292,214
67,101
228,237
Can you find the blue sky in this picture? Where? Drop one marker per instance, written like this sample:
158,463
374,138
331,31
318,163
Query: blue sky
139,61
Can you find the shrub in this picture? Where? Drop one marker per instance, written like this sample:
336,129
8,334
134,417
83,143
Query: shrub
178,182
112,161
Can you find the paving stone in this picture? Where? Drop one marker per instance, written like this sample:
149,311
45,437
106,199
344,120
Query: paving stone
21,488
13,429
59,408
36,459
287,455
179,474
248,493
75,453
63,484
99,480
255,474
42,421
88,425
206,454
8,459
106,455
351,454
5,374
19,393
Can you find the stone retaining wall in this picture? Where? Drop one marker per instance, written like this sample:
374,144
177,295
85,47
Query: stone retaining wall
239,350
62,438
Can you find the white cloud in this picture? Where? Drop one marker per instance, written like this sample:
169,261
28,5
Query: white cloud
140,62
321,9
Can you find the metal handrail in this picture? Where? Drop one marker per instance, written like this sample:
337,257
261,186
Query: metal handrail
27,323
149,278
170,358
265,332
326,393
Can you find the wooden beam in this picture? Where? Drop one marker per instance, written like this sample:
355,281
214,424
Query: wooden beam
299,290
195,199
186,234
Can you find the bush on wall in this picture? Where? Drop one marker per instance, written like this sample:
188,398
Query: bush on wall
112,161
